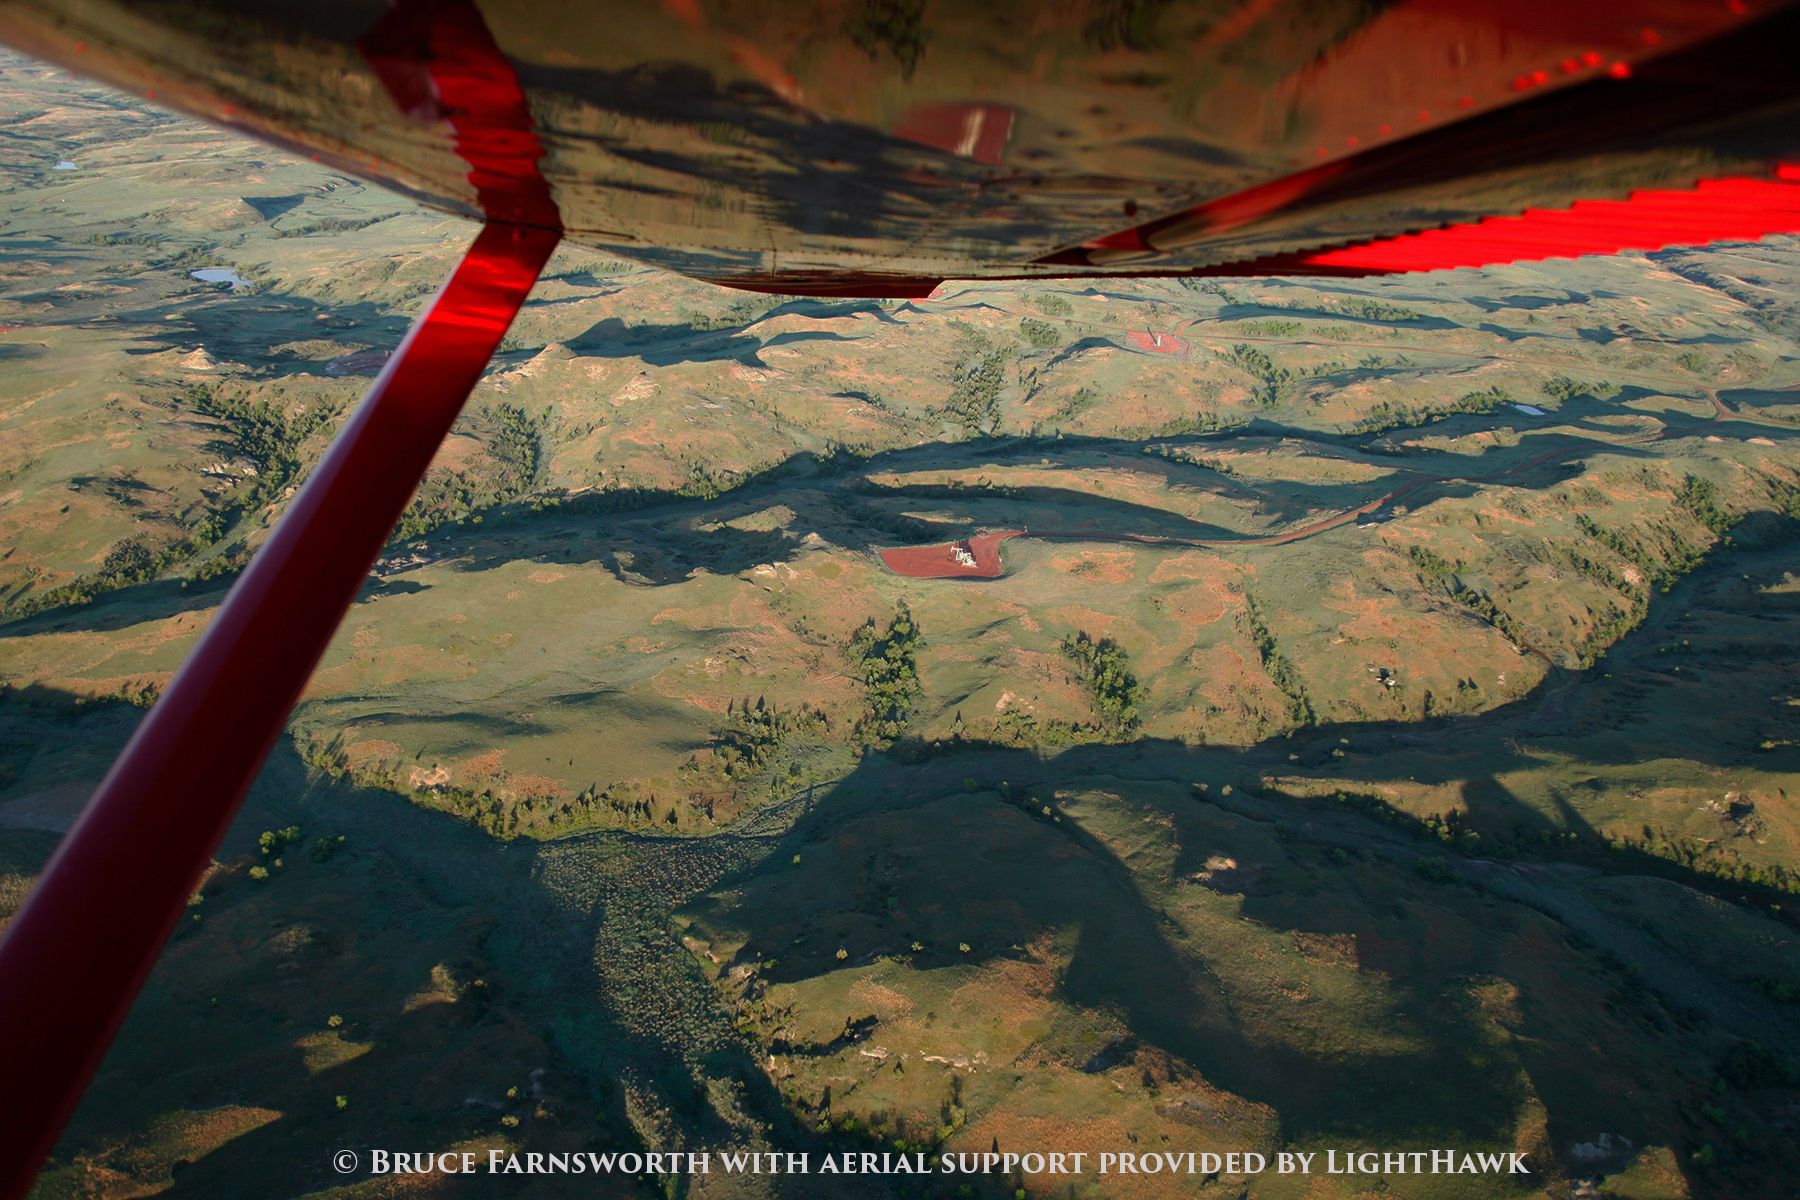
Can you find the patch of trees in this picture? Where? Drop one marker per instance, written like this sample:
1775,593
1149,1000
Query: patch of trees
975,382
1104,672
1627,548
1660,549
737,315
1376,310
1576,561
326,225
1614,624
1051,303
1618,620
1040,335
1207,421
187,258
1274,383
513,441
1349,306
116,237
1390,414
271,843
1435,570
1482,605
507,816
1751,1066
1706,857
1281,671
704,482
217,567
1259,366
1016,726
1700,497
1785,494
887,662
270,439
620,803
1084,398
129,560
1562,388
1188,455
1431,565
1782,991
755,734
1272,328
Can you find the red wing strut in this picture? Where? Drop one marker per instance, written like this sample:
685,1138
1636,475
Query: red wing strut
75,955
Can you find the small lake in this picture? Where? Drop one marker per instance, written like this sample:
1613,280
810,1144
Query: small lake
64,165
221,275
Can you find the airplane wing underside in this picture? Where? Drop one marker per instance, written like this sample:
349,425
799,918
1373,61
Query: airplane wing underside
879,146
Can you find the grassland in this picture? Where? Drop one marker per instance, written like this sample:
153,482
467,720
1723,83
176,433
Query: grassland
1353,758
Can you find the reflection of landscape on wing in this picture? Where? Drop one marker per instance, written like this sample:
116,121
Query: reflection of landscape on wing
876,148
1234,715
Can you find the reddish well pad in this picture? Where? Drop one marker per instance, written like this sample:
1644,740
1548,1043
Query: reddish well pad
976,558
1157,343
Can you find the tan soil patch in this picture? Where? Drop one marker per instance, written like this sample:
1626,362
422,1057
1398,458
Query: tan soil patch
883,1000
1190,564
373,750
1203,603
457,453
1107,566
488,766
536,787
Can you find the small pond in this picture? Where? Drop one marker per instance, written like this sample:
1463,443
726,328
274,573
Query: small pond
220,275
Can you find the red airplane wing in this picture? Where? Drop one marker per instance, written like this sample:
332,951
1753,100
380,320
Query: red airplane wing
885,147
